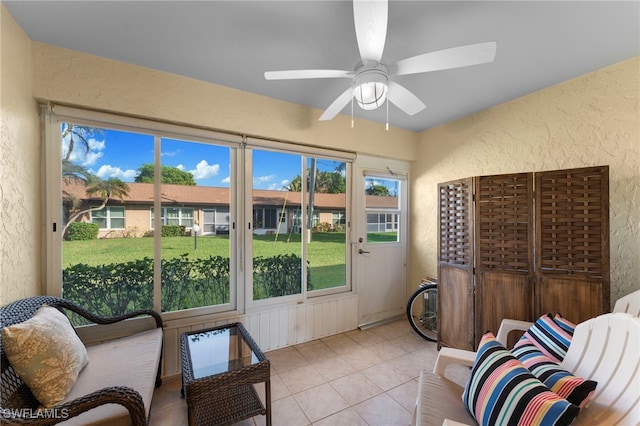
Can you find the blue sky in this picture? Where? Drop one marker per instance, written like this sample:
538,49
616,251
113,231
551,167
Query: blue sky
119,154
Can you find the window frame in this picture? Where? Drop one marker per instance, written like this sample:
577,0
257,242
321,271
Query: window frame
108,218
163,216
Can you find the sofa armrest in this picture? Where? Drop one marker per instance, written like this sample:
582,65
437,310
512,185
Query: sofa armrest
448,356
122,395
97,319
509,325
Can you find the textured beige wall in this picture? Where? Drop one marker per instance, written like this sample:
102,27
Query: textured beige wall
72,77
588,121
20,221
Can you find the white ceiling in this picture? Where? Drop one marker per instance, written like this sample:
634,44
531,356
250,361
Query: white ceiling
232,43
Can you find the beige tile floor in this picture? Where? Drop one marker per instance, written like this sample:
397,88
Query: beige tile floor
361,377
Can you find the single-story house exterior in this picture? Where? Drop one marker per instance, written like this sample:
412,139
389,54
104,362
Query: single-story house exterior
208,207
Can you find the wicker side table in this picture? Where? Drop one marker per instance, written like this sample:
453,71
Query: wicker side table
220,366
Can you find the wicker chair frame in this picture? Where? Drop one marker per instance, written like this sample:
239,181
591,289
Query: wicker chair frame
15,396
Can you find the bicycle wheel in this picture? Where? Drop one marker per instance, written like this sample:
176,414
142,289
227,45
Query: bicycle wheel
422,311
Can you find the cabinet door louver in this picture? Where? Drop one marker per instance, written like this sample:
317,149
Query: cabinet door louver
573,242
504,250
455,264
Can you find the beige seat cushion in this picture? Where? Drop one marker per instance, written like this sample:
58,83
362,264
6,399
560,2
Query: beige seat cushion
441,399
131,361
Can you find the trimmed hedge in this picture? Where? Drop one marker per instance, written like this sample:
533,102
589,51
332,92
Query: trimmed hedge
117,288
82,231
173,230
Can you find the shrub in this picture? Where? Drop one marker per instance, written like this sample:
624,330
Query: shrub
117,288
323,227
172,231
132,232
278,276
82,231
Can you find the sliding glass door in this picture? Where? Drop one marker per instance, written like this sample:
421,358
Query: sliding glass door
299,228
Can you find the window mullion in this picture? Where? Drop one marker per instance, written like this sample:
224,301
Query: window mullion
157,232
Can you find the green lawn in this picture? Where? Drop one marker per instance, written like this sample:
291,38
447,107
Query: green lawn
325,248
326,252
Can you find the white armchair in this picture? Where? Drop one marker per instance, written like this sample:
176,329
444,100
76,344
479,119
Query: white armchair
604,349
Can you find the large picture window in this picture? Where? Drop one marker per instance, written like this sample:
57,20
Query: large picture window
127,176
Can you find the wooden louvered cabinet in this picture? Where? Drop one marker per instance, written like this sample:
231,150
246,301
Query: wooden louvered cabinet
509,251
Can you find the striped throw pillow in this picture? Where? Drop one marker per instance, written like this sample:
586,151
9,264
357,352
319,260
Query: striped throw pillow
552,336
574,389
501,391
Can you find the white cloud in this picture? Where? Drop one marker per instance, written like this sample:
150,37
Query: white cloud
226,180
263,179
284,185
205,170
80,156
169,153
180,167
106,172
91,158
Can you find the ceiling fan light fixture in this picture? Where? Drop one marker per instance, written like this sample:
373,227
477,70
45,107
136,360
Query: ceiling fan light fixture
370,96
370,88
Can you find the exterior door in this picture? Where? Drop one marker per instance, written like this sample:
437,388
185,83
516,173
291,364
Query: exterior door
209,222
380,247
283,227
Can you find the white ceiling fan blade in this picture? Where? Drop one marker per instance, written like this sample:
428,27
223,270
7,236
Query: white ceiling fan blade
404,99
456,57
370,18
299,74
337,105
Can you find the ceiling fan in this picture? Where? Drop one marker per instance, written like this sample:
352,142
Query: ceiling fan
371,84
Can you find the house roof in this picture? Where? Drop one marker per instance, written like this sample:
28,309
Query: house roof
185,195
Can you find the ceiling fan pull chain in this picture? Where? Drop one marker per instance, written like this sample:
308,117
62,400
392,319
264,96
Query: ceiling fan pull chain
352,122
387,126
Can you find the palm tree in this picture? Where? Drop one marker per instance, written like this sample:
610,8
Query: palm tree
74,173
80,134
105,189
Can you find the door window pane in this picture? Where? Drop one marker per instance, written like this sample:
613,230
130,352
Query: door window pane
382,205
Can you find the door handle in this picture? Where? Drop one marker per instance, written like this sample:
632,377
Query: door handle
360,251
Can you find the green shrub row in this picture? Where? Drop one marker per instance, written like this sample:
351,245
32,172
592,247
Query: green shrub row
117,288
172,230
278,276
82,231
